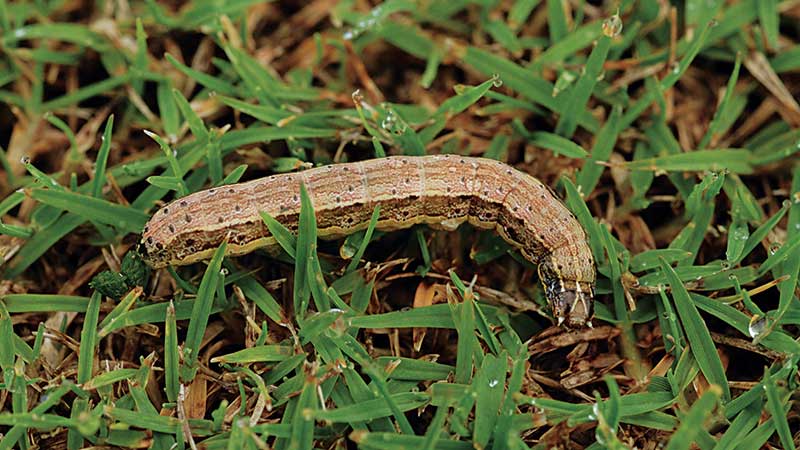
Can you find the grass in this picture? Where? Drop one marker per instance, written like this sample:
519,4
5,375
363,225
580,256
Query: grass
672,134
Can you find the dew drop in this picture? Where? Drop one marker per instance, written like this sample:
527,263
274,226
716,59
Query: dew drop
757,326
389,121
25,160
612,27
493,383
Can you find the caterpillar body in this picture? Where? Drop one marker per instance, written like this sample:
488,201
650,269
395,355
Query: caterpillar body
443,191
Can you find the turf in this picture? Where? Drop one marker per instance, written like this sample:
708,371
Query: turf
670,129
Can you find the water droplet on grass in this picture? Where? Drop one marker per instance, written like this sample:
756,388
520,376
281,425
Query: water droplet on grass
757,326
612,27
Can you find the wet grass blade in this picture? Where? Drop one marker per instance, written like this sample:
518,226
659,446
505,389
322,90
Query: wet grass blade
697,333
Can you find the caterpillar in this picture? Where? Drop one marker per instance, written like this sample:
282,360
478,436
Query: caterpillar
442,191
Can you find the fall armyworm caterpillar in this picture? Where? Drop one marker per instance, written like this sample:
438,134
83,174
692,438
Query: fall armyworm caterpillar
442,191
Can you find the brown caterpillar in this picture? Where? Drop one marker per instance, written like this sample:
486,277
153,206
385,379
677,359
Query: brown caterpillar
442,191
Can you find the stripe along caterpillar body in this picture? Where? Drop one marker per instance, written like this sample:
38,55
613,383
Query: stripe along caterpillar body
442,191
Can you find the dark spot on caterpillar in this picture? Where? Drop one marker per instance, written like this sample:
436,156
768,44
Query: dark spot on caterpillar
220,219
462,161
295,198
145,229
408,180
338,199
211,191
346,169
171,228
183,203
166,210
394,191
150,240
231,190
350,188
188,218
237,208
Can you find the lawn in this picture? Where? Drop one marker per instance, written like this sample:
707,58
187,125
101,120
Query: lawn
669,129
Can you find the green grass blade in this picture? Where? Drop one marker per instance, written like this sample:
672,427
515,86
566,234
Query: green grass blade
697,334
89,339
580,93
775,406
690,426
124,218
171,355
202,308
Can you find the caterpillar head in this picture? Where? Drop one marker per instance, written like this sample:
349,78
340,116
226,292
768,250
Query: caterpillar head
570,300
572,303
